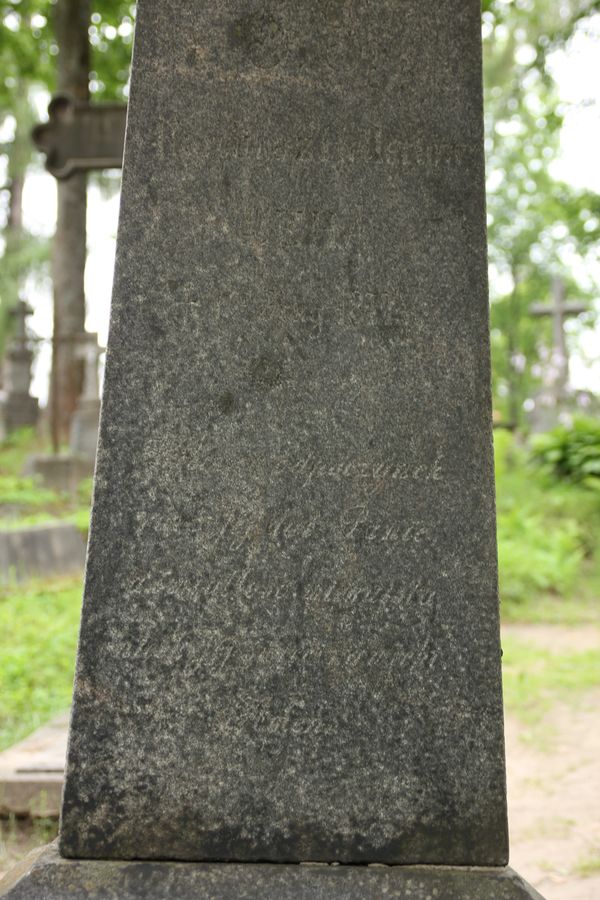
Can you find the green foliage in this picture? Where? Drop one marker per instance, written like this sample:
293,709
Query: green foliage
589,865
14,449
24,501
38,623
547,544
28,46
572,452
532,217
26,493
534,559
111,36
38,636
28,52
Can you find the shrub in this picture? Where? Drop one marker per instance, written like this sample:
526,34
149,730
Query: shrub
571,453
535,556
547,531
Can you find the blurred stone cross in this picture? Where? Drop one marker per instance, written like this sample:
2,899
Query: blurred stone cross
559,309
79,137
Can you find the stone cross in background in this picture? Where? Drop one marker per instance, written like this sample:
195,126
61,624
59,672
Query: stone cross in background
80,137
77,138
289,649
557,381
18,408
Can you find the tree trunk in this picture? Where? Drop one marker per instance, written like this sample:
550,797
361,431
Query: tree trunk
14,222
514,379
69,251
19,155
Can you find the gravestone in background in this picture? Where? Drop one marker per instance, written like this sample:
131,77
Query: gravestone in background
40,551
66,470
290,646
85,421
18,409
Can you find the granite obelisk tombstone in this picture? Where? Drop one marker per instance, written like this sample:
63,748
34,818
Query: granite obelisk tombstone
289,648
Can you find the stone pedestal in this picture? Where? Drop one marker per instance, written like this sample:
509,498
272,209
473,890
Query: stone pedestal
45,876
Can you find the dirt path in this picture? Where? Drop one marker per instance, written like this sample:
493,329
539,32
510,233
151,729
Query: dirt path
554,793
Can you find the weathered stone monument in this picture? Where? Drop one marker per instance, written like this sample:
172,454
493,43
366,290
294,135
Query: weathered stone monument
289,649
64,471
18,409
84,425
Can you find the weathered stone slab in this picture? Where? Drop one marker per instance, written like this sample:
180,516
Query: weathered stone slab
290,644
53,548
63,472
45,875
31,772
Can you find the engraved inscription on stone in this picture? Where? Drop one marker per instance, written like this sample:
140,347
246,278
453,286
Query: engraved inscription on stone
293,537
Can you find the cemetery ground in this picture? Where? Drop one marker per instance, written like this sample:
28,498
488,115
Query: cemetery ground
550,588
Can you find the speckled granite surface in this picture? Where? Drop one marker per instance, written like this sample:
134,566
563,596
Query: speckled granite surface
289,647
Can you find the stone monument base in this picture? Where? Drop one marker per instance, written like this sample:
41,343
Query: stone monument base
44,875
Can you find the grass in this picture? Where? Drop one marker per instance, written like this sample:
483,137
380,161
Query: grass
16,448
552,609
38,636
38,621
19,836
24,501
588,865
547,542
551,828
80,517
535,679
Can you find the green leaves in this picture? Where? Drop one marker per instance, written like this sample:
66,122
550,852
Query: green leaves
547,531
38,636
28,46
537,225
571,453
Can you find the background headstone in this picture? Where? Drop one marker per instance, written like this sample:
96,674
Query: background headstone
18,408
52,548
84,425
64,471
